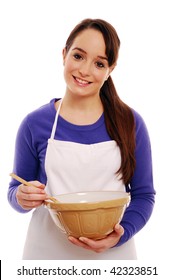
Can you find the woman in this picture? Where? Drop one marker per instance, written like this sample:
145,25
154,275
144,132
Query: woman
89,138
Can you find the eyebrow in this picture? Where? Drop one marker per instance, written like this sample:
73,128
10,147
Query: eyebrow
99,56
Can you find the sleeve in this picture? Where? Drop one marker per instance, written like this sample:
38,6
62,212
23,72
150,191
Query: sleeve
141,186
25,162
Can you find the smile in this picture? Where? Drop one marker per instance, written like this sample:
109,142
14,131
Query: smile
81,82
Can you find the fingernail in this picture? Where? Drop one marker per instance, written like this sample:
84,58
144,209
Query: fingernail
82,239
42,191
70,238
117,226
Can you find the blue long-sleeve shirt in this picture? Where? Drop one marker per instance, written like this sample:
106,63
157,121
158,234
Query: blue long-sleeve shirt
30,150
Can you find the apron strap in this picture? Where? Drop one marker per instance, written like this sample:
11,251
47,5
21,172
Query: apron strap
55,121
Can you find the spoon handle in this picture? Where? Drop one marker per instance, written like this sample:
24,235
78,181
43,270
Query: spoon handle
19,179
24,182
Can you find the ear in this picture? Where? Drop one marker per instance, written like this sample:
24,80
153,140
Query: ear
110,70
64,55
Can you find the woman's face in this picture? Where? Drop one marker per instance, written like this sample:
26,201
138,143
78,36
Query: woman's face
85,64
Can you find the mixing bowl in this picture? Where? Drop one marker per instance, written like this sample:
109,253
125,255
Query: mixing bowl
88,214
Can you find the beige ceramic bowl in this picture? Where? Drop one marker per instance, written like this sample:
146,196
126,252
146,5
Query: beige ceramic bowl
88,214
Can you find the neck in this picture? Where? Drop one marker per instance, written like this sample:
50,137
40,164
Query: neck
83,102
81,111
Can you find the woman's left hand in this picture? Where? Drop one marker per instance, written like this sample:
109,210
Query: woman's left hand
101,245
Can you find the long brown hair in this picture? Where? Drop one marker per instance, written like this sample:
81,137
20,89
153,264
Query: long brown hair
119,117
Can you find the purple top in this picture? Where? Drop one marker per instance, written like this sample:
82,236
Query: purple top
30,150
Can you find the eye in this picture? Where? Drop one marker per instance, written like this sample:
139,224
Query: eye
100,64
77,56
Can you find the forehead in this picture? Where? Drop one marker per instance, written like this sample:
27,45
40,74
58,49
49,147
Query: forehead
90,40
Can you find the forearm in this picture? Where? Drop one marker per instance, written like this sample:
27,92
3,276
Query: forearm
136,216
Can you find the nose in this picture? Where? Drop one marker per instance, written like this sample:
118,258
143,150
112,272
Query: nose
85,69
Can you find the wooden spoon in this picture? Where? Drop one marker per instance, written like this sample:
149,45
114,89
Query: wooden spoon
22,181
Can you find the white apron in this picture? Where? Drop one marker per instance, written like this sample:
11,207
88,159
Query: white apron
72,167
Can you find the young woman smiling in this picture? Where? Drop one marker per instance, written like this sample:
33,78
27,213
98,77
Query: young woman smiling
88,140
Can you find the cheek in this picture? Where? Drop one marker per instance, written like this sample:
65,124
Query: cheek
101,77
67,67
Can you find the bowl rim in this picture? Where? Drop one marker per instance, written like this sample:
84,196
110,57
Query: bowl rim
82,206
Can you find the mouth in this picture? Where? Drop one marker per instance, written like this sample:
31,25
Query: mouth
81,82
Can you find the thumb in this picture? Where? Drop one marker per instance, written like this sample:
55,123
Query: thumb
37,184
119,229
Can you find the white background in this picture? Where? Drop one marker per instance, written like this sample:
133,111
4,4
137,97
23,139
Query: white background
33,34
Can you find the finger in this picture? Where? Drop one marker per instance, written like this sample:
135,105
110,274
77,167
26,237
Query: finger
90,242
77,242
32,189
37,184
31,196
34,197
97,246
27,205
25,194
119,229
105,243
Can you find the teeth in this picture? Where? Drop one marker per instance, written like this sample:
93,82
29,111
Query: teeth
82,81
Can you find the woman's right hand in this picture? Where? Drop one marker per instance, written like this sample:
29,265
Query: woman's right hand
29,197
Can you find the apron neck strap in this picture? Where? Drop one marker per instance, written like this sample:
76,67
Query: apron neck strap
56,121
